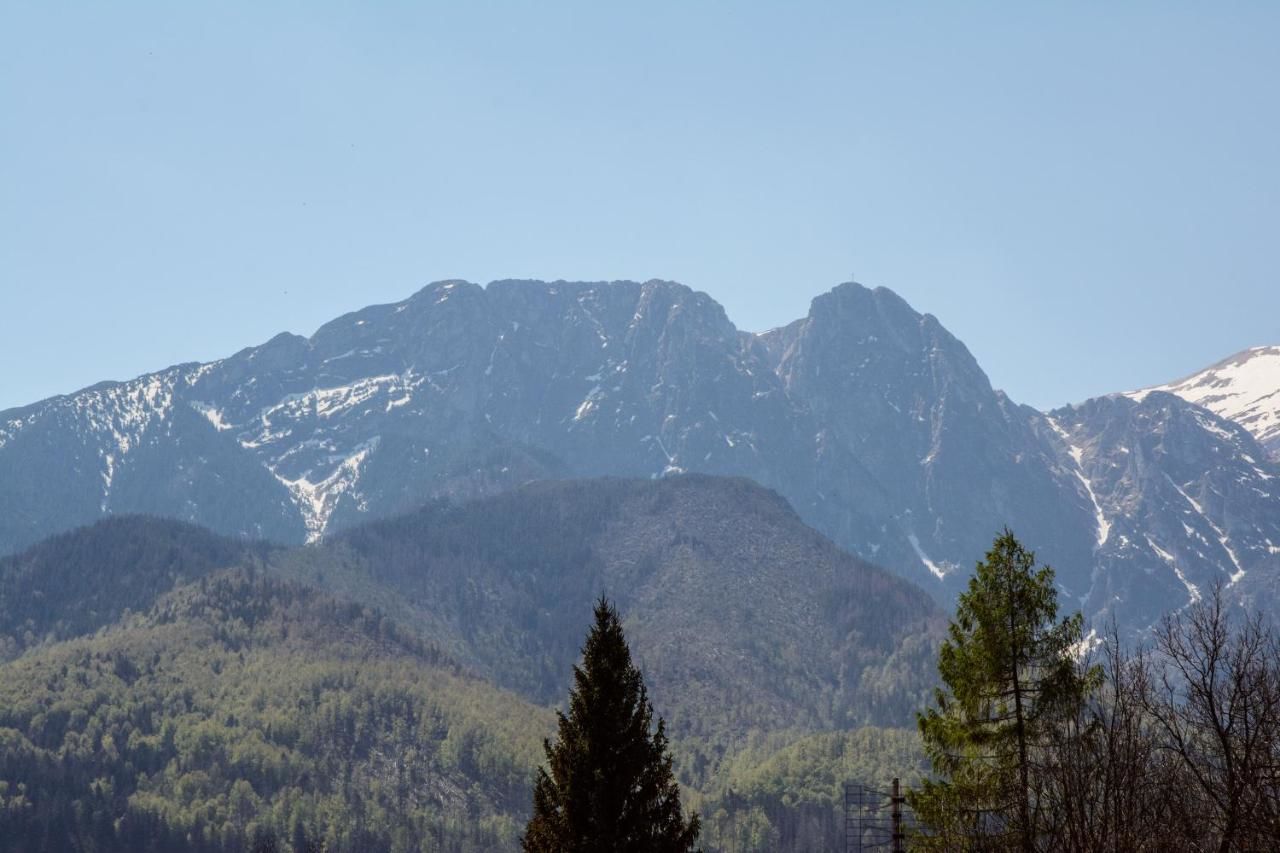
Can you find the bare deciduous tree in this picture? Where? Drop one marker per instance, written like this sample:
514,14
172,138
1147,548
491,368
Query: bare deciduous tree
1215,698
1177,750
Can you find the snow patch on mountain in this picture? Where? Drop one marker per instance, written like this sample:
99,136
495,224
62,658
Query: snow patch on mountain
275,423
1077,456
1244,388
317,500
1193,591
211,414
1087,644
589,403
125,411
200,372
939,570
108,477
1222,536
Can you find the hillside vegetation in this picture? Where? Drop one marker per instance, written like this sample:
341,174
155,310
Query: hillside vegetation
239,705
75,583
390,690
743,618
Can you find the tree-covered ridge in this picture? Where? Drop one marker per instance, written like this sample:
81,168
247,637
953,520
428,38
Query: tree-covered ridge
75,583
240,705
785,790
742,617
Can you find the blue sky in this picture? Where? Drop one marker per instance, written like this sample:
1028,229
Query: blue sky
1087,195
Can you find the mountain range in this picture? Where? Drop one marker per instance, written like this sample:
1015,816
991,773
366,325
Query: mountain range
873,421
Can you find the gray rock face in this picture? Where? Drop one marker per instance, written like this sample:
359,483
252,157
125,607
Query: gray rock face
912,437
876,424
1183,499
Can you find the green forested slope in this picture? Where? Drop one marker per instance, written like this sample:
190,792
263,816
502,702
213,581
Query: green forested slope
75,583
785,790
241,704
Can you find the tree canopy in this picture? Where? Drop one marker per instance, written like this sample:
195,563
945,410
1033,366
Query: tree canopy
1010,673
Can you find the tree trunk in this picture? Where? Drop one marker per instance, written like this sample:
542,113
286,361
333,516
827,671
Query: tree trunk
1020,726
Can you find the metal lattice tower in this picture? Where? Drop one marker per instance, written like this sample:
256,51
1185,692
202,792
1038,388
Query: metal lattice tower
873,818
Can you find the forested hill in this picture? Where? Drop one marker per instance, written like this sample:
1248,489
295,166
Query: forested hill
75,583
241,706
742,617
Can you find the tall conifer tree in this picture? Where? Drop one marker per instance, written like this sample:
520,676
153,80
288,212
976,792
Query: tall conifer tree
608,784
1010,675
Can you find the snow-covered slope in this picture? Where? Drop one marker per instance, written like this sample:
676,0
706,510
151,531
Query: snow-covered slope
1244,388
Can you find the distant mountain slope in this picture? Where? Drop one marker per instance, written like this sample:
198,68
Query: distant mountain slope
872,420
742,617
1184,499
1244,388
75,583
132,447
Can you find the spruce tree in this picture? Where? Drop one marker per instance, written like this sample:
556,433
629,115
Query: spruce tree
608,784
1010,675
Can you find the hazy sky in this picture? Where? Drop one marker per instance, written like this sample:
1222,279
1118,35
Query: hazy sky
1088,196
